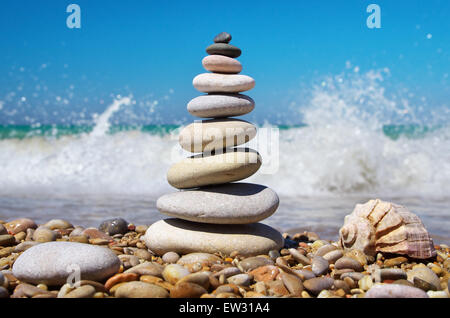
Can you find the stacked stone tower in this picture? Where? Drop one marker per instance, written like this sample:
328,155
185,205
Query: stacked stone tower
213,212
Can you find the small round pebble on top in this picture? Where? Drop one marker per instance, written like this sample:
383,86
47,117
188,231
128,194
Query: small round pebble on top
222,37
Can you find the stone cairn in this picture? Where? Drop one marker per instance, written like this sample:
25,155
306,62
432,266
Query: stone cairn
212,213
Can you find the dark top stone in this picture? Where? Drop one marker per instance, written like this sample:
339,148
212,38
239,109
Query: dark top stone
223,37
114,226
224,49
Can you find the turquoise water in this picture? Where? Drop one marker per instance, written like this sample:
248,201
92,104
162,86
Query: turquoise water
55,131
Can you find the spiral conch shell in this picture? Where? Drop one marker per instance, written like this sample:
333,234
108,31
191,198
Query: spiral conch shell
379,226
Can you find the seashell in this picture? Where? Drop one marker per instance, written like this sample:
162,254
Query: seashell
380,226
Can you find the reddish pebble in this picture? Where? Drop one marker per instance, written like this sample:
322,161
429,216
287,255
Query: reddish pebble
120,278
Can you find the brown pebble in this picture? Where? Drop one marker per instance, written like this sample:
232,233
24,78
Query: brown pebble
187,290
293,283
348,263
86,291
265,273
120,278
396,261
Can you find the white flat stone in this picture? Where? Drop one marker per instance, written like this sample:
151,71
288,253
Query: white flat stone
232,203
220,105
223,83
202,170
186,237
209,135
52,263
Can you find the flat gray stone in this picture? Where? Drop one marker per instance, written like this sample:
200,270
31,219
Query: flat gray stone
185,237
52,263
233,203
224,49
220,105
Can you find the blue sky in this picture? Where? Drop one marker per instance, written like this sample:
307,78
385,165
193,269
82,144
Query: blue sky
153,49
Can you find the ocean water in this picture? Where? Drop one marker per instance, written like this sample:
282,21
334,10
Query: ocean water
355,144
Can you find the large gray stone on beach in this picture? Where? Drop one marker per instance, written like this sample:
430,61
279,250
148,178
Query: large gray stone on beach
185,237
224,49
220,105
216,134
52,263
394,291
223,83
233,203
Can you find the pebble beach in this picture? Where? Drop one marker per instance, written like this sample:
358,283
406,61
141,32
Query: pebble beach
37,261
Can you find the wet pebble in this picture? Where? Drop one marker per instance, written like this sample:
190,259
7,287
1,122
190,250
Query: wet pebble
293,283
323,250
199,278
251,263
20,225
424,278
120,278
44,234
240,279
59,224
86,291
114,226
392,273
319,265
147,268
174,272
333,256
187,290
316,285
348,263
140,290
170,257
205,259
302,259
396,261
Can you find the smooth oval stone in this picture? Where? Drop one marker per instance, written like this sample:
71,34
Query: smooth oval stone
333,256
147,268
394,291
199,278
170,257
223,83
185,237
293,283
350,263
222,37
114,226
305,273
221,64
424,274
241,279
321,251
216,134
85,291
174,272
140,290
52,263
187,290
317,284
224,49
43,234
205,259
251,263
234,203
20,225
58,224
196,171
392,273
220,105
319,265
